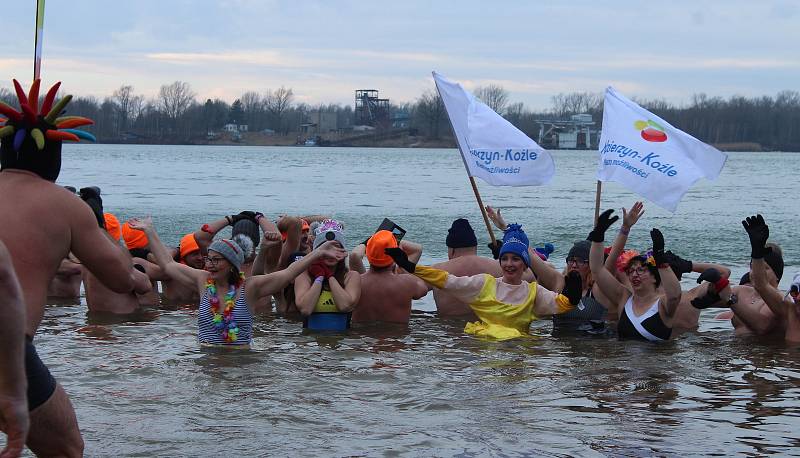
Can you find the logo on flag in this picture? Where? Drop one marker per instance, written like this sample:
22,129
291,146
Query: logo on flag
661,162
491,147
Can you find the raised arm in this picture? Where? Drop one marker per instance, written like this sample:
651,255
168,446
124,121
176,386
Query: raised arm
629,219
412,249
259,286
613,289
758,232
669,282
13,383
550,303
356,258
181,273
546,274
465,289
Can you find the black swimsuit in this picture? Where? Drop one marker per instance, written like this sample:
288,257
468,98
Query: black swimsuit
648,326
41,384
589,317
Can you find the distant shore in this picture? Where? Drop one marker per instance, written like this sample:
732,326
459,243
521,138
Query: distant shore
376,141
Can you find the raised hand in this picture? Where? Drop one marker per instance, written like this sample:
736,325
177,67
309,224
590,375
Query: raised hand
496,217
758,231
658,246
604,221
679,265
714,277
401,259
332,250
141,224
573,287
630,217
707,300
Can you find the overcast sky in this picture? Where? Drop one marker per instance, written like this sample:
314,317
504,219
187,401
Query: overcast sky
326,50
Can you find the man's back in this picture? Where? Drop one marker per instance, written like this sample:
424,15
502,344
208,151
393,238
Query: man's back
386,296
41,223
462,266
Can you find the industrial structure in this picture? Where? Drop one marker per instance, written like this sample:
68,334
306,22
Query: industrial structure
371,110
574,133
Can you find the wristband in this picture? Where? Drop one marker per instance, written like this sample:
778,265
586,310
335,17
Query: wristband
624,231
207,229
319,279
721,284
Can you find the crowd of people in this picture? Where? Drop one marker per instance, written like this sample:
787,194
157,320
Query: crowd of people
305,267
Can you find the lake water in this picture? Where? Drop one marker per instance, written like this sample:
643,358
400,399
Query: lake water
143,387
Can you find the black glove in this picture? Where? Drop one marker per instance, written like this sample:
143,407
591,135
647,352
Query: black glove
714,277
401,259
233,219
758,231
495,247
573,287
91,196
708,300
679,265
604,221
658,247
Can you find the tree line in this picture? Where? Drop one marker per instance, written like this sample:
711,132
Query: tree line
176,115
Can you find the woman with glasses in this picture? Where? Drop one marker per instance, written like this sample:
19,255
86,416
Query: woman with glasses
645,312
590,316
225,316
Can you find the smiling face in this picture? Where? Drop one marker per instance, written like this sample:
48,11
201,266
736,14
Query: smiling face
640,276
194,259
217,266
513,267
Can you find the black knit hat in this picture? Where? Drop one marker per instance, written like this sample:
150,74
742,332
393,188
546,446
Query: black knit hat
249,229
461,235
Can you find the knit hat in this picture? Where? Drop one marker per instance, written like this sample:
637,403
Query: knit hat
774,260
515,241
461,235
580,250
112,226
745,280
376,244
329,230
188,245
248,228
230,250
30,139
545,251
134,238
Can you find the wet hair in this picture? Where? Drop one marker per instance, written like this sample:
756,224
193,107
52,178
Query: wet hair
641,259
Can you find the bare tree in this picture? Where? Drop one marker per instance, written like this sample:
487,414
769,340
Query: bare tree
430,112
493,95
175,99
277,102
128,107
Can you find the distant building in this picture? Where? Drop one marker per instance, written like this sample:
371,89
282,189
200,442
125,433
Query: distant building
320,122
230,127
400,119
574,133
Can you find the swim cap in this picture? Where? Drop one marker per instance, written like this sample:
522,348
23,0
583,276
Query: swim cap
329,230
461,235
133,238
515,241
230,250
188,245
30,139
375,248
112,226
248,228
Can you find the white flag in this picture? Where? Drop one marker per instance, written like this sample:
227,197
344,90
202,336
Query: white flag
649,156
491,147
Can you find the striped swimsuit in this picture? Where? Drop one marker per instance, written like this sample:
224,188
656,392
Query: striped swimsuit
241,315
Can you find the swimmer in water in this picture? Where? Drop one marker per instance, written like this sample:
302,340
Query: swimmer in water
506,306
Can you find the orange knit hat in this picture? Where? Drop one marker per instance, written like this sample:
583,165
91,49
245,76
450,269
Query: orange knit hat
133,238
375,246
112,226
188,245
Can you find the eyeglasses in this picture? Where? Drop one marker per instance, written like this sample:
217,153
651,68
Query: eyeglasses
212,260
577,261
638,270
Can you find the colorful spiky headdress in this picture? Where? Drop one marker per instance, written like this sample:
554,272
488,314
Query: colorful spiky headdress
30,139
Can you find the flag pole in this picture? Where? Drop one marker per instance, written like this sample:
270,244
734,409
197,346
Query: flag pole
37,51
492,238
597,201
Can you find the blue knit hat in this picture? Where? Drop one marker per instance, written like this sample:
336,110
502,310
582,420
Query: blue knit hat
515,241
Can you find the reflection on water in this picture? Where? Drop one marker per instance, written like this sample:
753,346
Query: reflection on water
426,389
